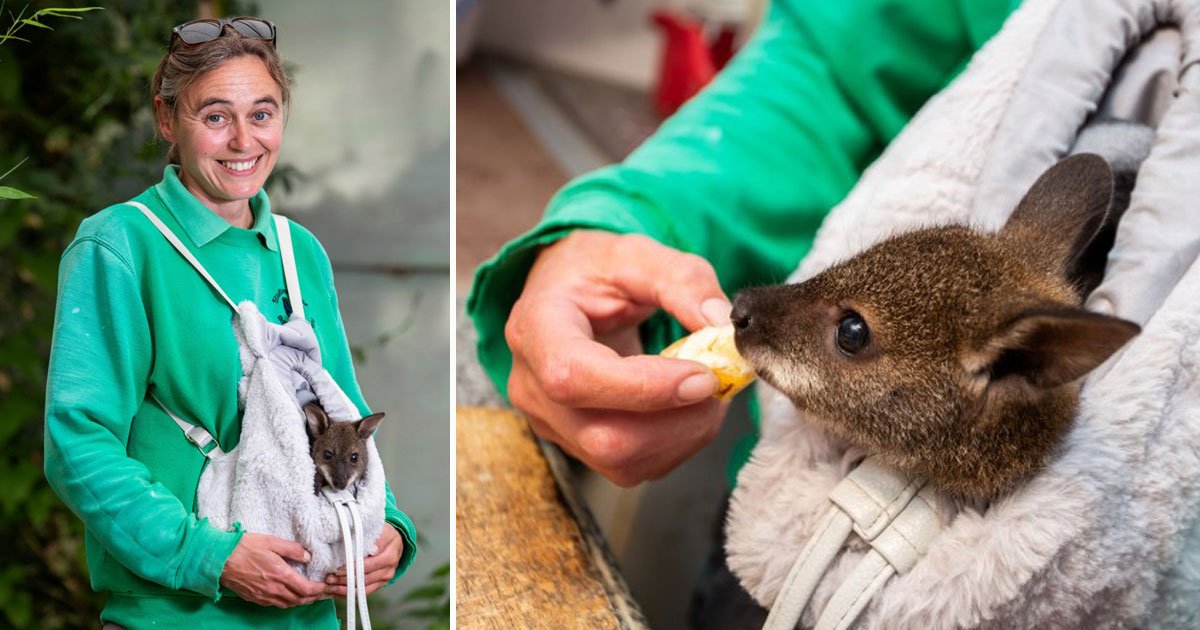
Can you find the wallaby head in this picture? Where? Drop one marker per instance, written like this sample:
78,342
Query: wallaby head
339,449
950,353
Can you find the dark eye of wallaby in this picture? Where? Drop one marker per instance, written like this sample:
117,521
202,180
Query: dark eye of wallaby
852,334
354,458
328,456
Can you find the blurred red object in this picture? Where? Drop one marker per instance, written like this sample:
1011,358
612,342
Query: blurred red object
689,60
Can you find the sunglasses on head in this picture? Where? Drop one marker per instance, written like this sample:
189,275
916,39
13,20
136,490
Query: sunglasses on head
199,32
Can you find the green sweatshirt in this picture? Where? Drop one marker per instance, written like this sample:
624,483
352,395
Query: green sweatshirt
133,317
744,173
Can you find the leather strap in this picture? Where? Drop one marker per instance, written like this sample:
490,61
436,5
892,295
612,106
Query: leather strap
814,560
892,513
856,592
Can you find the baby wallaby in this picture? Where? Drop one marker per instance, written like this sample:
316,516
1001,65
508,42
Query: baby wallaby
949,353
339,449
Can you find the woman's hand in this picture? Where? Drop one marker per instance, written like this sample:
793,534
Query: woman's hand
258,572
378,567
578,371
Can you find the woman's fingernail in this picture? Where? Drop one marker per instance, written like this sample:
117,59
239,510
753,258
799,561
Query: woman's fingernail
716,311
307,556
329,579
374,550
697,387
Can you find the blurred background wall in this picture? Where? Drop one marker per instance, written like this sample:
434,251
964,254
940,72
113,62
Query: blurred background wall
365,166
369,139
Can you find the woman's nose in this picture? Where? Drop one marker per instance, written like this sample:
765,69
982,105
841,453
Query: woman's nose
241,140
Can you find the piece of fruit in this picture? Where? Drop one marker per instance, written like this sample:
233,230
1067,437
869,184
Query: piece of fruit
713,346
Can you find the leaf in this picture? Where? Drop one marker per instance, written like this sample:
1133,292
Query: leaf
429,591
7,192
19,610
62,11
10,223
14,413
33,22
433,612
6,173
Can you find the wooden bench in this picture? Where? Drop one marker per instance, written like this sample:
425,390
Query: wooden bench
529,554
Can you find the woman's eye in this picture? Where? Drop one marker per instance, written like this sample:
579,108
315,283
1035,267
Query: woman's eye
214,118
261,116
328,456
852,334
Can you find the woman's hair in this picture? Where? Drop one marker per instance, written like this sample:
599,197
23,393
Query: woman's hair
182,65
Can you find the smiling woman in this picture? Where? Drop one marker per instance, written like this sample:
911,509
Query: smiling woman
231,137
228,124
139,331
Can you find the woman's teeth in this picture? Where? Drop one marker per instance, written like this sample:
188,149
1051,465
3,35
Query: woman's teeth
239,166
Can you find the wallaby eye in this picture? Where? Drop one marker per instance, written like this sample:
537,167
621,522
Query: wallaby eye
328,456
353,458
852,334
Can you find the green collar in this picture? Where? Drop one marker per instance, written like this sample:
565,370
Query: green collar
203,225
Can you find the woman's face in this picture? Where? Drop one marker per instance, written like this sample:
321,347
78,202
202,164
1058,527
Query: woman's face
228,126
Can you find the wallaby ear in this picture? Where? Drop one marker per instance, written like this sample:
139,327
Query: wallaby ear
1052,347
367,426
1068,204
315,419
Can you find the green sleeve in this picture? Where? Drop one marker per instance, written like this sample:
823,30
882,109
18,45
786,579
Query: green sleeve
744,174
342,371
99,367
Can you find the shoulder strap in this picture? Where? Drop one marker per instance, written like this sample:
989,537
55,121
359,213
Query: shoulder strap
832,532
179,247
283,232
197,435
890,512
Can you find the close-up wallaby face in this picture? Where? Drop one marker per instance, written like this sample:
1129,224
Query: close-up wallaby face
950,353
339,449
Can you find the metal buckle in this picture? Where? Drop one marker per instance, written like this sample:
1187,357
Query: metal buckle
201,438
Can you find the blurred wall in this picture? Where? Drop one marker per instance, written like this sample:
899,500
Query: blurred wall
604,39
369,131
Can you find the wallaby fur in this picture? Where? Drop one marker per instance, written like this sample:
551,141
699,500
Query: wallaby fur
339,449
975,343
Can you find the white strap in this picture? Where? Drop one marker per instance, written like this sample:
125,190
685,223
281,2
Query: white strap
359,561
174,240
802,580
352,532
894,550
891,512
872,572
283,232
197,435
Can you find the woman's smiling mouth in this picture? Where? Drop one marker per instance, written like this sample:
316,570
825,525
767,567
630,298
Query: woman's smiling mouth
241,167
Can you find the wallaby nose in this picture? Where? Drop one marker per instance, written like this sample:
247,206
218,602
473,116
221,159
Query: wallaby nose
741,317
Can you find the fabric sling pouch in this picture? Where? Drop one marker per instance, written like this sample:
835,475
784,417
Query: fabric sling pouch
265,483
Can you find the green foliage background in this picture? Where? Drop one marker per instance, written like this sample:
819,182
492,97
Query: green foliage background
75,104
